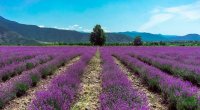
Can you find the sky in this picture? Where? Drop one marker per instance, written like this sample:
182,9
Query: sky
172,17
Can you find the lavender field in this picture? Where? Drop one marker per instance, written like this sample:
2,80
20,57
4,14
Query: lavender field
99,78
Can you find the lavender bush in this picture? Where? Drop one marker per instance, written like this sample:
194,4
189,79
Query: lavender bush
118,93
187,72
17,86
62,89
17,68
178,93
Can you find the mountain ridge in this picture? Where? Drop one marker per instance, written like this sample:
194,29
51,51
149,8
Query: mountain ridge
35,33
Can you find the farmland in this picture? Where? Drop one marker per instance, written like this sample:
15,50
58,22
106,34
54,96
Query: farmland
105,78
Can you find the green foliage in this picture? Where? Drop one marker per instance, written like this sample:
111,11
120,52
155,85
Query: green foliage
98,37
165,68
138,41
1,104
154,84
5,77
17,71
34,79
45,72
54,104
173,43
29,65
185,74
112,41
195,79
48,71
187,103
21,89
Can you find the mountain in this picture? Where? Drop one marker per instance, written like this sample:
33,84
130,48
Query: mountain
14,33
8,37
55,35
189,37
159,37
118,38
146,36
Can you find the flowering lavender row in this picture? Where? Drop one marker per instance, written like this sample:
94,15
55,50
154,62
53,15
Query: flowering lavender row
179,94
62,89
9,59
23,59
118,93
17,86
182,58
17,68
187,72
186,55
9,54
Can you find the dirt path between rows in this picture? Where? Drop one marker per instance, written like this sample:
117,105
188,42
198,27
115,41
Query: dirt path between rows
22,103
88,97
154,100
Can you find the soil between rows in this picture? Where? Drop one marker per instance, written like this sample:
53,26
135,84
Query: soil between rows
88,96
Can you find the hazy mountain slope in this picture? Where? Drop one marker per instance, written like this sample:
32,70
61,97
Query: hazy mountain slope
189,37
55,35
8,37
34,33
147,36
118,38
43,34
159,37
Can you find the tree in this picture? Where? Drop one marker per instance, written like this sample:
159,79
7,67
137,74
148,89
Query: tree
138,41
98,37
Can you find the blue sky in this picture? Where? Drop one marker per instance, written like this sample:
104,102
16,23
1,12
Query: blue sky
156,16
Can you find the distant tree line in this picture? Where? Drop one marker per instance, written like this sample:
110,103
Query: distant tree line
159,43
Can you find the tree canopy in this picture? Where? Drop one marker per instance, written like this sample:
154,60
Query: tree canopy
97,37
138,41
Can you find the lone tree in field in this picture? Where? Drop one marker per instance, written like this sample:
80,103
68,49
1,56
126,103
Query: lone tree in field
98,37
138,41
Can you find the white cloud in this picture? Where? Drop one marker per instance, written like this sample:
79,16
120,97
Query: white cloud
74,27
87,30
41,26
190,11
105,29
155,20
160,15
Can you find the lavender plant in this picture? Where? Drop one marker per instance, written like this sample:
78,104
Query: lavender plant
178,93
17,86
118,93
62,89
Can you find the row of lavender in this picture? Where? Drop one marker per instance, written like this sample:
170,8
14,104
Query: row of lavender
179,66
40,68
62,90
12,55
187,72
118,92
186,55
8,59
179,94
23,59
17,68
